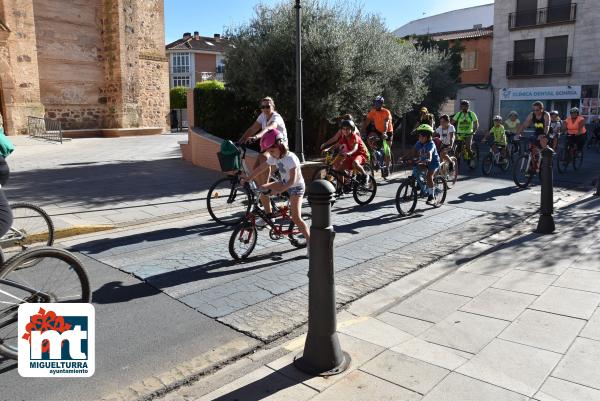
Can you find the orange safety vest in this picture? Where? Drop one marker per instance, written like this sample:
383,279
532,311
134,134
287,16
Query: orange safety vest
573,126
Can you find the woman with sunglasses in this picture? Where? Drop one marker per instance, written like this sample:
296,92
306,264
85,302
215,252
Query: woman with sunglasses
268,120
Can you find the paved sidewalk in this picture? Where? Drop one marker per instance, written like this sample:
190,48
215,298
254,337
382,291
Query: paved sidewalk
92,184
519,321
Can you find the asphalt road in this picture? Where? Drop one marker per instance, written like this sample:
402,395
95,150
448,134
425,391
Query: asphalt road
168,292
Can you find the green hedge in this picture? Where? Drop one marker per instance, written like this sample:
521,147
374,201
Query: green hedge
210,84
220,112
178,96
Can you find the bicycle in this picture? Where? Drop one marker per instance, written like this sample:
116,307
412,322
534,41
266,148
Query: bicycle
228,201
451,176
244,236
31,226
407,194
526,166
362,191
568,154
495,159
37,275
376,151
513,146
462,153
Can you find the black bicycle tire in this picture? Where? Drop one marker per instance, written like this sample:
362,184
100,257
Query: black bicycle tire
516,181
506,165
489,157
233,238
444,191
452,174
42,213
212,213
307,217
561,166
578,160
403,185
20,260
373,192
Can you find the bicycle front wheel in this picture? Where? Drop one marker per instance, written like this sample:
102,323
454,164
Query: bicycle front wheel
364,192
38,275
452,176
487,164
242,240
228,202
31,226
406,198
562,161
578,160
522,173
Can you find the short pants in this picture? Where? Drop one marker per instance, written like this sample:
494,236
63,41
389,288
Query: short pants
349,162
296,190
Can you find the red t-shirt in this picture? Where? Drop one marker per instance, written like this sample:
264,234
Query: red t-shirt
351,141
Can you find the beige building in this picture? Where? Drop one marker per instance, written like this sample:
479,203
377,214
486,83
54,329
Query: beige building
546,50
195,58
90,64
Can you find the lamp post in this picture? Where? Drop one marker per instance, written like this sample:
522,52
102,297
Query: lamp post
299,145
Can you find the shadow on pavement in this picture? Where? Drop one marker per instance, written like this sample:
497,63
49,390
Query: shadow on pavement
488,196
6,365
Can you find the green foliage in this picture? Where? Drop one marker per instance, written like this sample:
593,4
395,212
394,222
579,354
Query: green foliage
211,84
178,96
221,112
348,58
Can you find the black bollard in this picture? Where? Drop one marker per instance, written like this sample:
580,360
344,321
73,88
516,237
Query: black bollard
322,355
546,221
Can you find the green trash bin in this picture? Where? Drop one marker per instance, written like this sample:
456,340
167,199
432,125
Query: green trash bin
229,157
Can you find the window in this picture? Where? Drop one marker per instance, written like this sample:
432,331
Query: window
524,54
180,63
183,80
469,60
555,58
526,12
559,10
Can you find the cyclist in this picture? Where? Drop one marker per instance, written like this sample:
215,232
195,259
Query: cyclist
268,120
336,137
273,144
466,124
425,117
6,217
556,128
379,120
428,158
575,127
446,132
499,135
511,125
541,124
353,148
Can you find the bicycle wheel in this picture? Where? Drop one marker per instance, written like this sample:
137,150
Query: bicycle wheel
406,198
562,161
365,192
505,164
38,275
326,173
296,238
31,227
474,158
522,173
228,202
578,160
440,188
487,164
242,240
452,176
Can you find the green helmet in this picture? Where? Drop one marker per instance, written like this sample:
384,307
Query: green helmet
425,129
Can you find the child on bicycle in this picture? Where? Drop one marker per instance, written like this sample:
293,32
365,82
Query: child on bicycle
499,135
288,164
336,137
353,149
446,133
428,158
556,128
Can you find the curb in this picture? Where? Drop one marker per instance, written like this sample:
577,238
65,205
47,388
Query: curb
62,233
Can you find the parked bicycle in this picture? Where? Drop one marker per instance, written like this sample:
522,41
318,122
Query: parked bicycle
228,201
362,190
526,166
568,155
244,236
413,188
495,159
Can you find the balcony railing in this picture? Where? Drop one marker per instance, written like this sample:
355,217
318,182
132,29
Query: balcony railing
180,69
542,16
205,76
539,67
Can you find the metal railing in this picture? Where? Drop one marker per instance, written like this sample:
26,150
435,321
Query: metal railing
44,128
539,67
205,76
542,16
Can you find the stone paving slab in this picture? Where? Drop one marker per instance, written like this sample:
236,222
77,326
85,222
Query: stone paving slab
430,306
567,302
459,387
465,284
580,364
592,328
499,304
525,282
561,390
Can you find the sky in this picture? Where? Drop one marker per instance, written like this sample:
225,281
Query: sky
209,16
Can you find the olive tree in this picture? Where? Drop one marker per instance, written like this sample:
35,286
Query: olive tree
348,58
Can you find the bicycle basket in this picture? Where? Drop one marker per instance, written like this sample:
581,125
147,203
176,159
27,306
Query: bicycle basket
229,162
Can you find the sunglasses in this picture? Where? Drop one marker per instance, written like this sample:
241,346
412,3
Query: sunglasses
265,106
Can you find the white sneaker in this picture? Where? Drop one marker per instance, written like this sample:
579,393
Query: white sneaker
260,222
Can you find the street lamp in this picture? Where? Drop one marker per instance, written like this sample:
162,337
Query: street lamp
299,145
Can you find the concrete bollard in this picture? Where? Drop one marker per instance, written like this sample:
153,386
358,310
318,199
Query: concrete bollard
546,221
322,355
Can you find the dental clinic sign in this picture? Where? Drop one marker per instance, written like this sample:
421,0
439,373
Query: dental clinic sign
541,93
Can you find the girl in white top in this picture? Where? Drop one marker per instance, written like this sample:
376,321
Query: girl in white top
289,167
446,133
